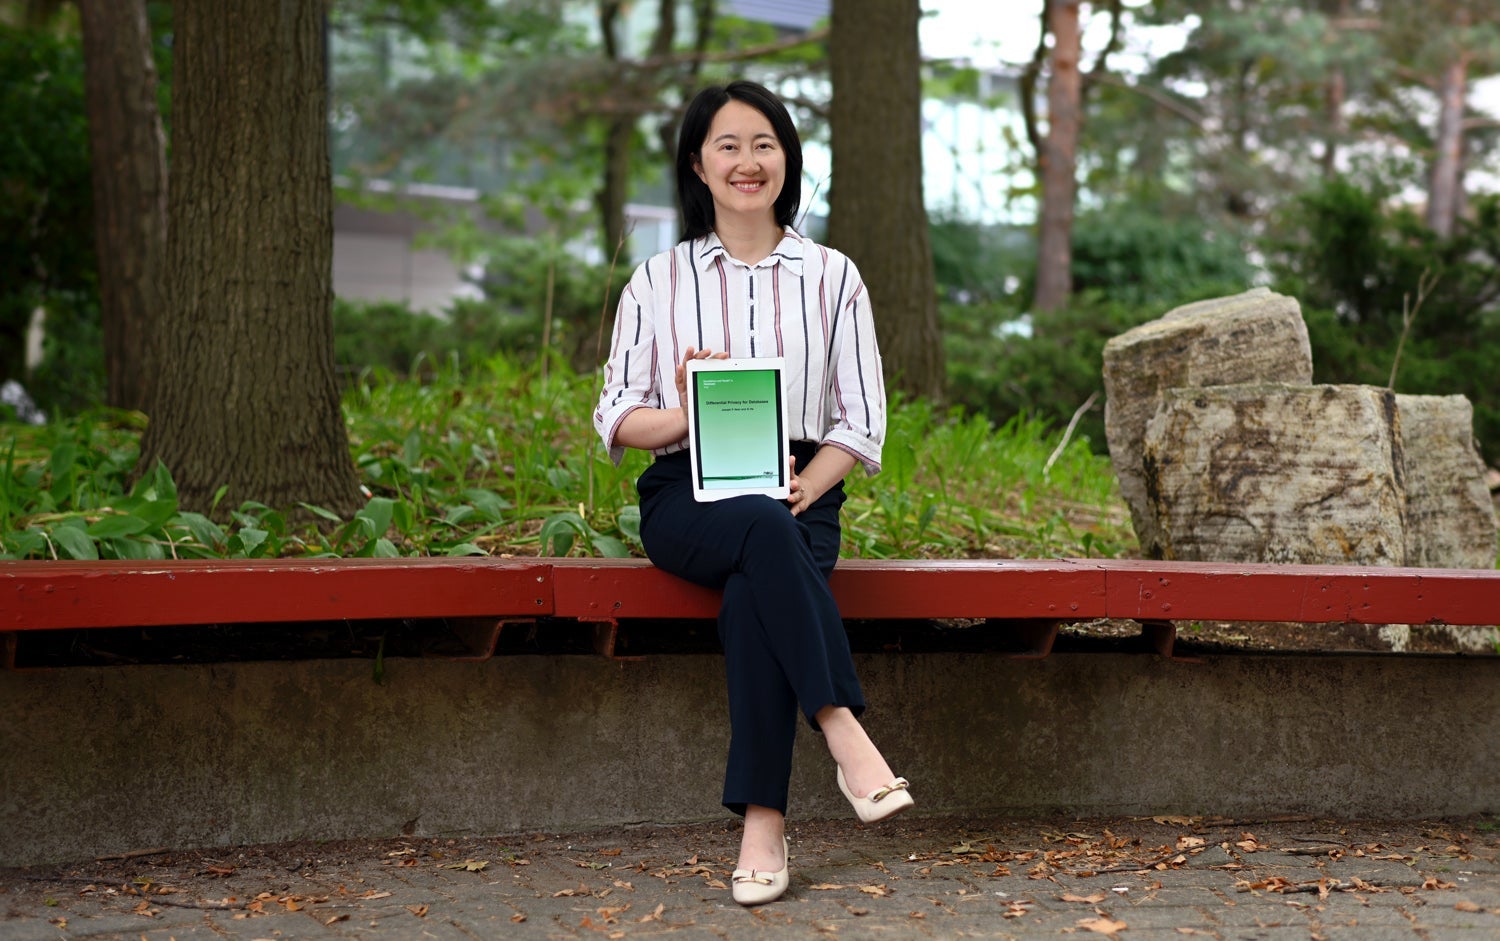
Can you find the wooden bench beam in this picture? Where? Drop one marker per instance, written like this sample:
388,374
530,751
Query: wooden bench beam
40,595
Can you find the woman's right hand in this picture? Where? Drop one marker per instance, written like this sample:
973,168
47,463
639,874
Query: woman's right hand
681,376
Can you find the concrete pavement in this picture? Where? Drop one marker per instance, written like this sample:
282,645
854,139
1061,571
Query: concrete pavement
1130,878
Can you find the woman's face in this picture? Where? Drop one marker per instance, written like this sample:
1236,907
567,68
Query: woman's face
742,163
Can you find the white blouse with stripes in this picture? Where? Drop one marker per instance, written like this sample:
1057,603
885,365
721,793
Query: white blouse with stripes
803,302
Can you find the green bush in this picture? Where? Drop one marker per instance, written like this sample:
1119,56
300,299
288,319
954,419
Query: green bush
997,370
1359,269
1134,256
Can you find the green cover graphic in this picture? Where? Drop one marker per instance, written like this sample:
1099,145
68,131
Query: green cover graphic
738,418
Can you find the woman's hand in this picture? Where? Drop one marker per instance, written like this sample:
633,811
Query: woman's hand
681,372
801,496
829,466
651,428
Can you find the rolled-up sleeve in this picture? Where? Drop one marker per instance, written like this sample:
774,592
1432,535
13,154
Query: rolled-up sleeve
630,372
858,419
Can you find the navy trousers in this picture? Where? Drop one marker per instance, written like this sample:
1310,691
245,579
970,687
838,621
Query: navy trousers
784,641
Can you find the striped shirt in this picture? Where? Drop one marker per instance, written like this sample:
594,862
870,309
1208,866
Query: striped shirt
803,302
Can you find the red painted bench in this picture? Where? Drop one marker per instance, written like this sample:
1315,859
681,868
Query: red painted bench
482,596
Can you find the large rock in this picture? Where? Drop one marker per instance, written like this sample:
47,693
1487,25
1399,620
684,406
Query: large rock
1277,473
1258,336
1450,518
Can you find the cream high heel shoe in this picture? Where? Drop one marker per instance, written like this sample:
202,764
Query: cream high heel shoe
754,887
881,803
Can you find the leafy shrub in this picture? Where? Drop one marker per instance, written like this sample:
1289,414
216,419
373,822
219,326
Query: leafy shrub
1133,256
1001,373
1359,268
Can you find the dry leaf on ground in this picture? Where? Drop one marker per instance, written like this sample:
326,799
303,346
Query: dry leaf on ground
1102,925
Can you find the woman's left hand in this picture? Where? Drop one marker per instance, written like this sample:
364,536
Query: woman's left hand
822,474
803,493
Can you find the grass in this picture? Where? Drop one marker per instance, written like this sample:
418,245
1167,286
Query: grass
503,459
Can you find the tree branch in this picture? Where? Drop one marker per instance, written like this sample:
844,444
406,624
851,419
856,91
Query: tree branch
1155,95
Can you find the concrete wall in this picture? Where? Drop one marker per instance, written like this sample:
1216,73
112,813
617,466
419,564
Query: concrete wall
100,760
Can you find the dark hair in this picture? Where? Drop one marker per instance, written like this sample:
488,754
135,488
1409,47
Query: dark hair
697,202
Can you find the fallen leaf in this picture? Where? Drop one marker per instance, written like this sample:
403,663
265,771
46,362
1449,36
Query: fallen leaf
1175,821
1102,925
716,884
569,893
372,894
654,916
1433,882
469,865
613,852
879,891
518,918
336,919
1467,906
826,886
60,922
419,910
1094,899
1189,842
916,915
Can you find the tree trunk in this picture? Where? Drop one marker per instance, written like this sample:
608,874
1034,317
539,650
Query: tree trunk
128,153
1335,90
247,396
876,214
1444,199
1059,158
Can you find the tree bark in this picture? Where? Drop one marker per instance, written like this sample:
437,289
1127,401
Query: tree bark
1059,159
128,155
876,213
1335,91
1444,196
247,396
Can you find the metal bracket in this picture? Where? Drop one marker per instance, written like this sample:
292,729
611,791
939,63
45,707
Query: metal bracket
480,636
606,632
1162,637
1038,635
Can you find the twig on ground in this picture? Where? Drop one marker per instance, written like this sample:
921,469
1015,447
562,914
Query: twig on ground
133,854
1072,423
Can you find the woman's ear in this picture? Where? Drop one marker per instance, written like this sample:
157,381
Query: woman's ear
698,169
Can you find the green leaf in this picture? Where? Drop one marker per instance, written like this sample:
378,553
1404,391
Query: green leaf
378,512
610,547
458,514
384,549
490,505
629,521
26,543
74,542
318,511
117,524
560,530
252,539
466,548
205,531
404,516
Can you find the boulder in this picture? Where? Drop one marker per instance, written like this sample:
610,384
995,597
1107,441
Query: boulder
1276,473
1255,337
1450,517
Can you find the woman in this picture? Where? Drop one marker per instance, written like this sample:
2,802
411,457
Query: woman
743,282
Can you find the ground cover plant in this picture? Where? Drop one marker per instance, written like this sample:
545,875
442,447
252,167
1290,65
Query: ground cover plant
501,459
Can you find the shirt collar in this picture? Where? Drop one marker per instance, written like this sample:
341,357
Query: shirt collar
788,252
